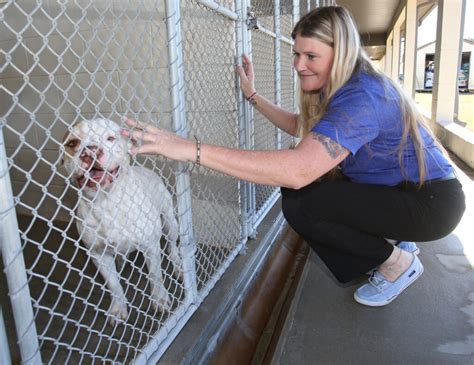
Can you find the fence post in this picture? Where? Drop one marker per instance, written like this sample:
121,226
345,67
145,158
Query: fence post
14,267
277,41
183,186
245,120
296,17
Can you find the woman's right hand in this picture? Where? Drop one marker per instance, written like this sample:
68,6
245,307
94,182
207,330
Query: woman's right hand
246,76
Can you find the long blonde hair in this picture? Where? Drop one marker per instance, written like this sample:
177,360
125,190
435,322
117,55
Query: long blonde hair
334,26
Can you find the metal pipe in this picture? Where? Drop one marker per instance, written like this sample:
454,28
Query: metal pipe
287,40
266,31
183,186
243,116
162,338
219,9
15,269
248,123
277,55
296,17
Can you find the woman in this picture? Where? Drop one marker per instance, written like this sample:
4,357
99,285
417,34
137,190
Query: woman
397,186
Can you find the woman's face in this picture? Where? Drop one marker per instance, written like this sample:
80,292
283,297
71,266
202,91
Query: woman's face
313,62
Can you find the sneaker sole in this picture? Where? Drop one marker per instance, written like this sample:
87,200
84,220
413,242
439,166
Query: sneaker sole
388,301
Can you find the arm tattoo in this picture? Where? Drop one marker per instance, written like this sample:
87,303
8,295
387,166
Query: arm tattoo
332,148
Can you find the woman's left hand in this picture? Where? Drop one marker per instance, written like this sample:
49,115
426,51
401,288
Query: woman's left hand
153,140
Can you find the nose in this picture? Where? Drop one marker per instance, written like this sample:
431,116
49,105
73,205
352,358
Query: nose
298,64
90,153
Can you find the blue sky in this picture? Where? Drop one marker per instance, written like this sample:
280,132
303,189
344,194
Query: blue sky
427,30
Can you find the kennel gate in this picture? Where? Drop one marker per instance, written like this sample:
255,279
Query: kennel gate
167,62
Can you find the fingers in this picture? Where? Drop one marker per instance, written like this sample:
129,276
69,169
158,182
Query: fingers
241,72
140,126
143,149
247,64
139,135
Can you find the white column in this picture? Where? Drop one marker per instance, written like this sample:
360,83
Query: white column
396,52
447,58
411,30
389,54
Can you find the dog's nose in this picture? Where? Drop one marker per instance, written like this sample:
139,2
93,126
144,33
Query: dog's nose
91,153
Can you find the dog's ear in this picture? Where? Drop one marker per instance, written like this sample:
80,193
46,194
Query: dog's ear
69,142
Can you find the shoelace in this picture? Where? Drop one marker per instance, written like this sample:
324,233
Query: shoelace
376,282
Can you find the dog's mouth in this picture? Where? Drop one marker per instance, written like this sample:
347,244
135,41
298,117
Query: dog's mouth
97,177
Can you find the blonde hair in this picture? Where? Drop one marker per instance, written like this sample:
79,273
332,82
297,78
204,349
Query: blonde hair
334,26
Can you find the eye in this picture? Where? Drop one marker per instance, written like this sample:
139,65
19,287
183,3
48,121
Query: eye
111,139
311,57
72,143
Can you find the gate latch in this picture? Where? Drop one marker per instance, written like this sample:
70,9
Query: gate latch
252,21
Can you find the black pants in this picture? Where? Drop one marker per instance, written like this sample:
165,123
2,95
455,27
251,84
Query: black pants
346,223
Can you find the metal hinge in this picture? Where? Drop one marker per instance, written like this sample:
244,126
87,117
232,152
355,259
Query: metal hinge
252,21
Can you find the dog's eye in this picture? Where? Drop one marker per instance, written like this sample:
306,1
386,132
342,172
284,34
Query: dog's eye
111,139
72,143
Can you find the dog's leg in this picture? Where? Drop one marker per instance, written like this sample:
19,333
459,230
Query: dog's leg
120,260
159,294
118,306
171,231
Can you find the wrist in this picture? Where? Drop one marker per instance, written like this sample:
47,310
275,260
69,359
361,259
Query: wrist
249,94
252,98
197,156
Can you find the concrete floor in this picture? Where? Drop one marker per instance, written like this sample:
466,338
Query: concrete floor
432,322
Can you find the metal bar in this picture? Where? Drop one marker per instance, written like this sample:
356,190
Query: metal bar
220,9
266,31
183,186
287,40
296,17
248,122
250,137
165,336
277,55
14,267
242,116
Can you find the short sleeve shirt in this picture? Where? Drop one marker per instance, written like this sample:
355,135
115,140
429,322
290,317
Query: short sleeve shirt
364,117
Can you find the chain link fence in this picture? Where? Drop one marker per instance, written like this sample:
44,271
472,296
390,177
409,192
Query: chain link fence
168,63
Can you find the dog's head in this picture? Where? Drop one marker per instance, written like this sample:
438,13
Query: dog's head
95,154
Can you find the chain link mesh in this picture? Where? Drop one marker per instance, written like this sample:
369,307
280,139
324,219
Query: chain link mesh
63,62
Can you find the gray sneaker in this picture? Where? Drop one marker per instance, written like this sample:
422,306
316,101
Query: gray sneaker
408,246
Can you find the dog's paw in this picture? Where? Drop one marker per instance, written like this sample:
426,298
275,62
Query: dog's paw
117,312
178,273
161,302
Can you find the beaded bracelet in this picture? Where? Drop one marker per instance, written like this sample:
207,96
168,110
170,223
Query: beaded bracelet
198,152
251,98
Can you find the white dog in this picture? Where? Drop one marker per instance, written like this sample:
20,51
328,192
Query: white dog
122,208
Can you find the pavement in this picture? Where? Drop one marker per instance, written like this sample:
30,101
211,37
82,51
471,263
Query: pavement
432,322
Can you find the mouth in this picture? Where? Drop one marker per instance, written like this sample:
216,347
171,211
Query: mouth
97,177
